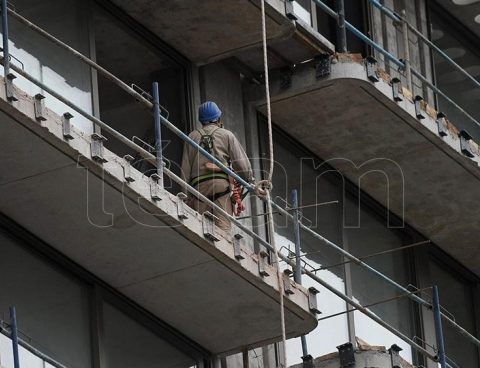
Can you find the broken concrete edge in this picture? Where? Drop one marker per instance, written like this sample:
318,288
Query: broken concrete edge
275,11
165,210
297,29
364,352
352,68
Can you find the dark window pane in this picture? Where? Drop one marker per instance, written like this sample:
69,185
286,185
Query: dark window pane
52,309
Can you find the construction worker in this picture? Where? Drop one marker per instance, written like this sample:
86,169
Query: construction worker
207,177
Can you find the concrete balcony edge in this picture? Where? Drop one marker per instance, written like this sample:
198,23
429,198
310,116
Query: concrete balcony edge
112,172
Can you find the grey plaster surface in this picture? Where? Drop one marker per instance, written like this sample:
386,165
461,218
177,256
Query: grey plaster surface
379,144
116,231
208,29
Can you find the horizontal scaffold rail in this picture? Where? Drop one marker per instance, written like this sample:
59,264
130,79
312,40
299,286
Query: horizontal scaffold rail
152,159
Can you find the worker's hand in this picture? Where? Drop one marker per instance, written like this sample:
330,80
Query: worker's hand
239,207
237,198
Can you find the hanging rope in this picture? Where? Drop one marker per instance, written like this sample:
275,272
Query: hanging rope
267,184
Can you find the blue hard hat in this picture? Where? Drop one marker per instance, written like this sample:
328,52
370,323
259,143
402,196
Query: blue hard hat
208,111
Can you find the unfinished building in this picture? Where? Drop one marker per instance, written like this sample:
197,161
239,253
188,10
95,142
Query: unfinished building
375,118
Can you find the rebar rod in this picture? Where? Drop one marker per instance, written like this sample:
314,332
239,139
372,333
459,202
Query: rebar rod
371,255
373,304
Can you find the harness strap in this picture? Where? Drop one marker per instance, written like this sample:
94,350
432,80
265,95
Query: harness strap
215,175
216,196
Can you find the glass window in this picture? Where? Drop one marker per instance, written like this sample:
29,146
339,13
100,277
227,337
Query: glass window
366,235
52,309
456,296
452,82
68,20
128,344
138,62
296,169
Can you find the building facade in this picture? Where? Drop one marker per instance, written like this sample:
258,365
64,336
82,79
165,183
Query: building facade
375,128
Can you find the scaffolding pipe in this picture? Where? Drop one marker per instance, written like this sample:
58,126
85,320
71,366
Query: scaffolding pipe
297,276
438,327
82,57
148,156
396,18
341,30
406,48
6,52
251,188
394,60
32,349
158,133
13,327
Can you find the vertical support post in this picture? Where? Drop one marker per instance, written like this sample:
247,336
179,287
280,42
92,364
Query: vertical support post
438,327
6,52
341,29
406,48
10,95
158,132
297,276
13,326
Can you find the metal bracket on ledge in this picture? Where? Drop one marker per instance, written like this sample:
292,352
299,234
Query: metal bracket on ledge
96,147
419,113
289,12
39,107
346,353
442,124
181,211
287,282
127,168
323,65
237,247
67,126
466,144
262,263
397,89
9,90
371,65
312,300
155,190
307,361
394,353
208,224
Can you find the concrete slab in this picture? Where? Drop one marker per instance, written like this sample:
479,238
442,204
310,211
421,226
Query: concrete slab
213,29
142,248
402,162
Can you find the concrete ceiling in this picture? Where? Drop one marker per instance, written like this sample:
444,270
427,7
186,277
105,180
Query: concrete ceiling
377,137
208,29
134,248
466,11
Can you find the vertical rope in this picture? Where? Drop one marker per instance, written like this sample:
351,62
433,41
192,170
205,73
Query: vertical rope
271,224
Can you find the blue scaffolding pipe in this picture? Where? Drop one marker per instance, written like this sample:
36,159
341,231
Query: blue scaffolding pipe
158,133
251,187
392,15
248,186
438,327
14,329
397,62
6,53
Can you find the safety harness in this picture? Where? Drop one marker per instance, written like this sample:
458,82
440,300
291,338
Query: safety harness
207,143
